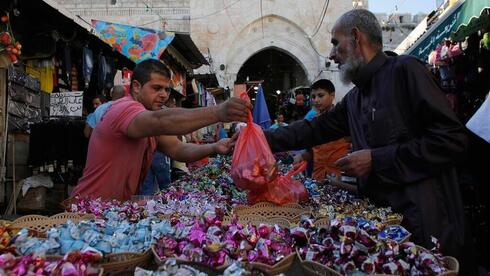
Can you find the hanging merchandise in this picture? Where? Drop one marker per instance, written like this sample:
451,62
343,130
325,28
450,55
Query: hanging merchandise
479,123
210,100
111,72
24,100
101,73
43,70
8,45
118,78
67,63
485,41
88,65
136,43
74,78
126,78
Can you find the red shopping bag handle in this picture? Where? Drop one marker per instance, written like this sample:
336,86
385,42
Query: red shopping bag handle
297,168
244,96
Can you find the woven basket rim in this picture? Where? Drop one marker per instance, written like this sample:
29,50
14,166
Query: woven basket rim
286,259
447,259
258,219
64,215
135,259
160,261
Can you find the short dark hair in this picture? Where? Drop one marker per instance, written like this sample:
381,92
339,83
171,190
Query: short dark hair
101,98
143,70
324,84
118,91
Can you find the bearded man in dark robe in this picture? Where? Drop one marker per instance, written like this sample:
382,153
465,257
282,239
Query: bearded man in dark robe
405,137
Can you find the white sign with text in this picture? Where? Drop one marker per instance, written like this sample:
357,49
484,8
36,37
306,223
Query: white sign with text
66,104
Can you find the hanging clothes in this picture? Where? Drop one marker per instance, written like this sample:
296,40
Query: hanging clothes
111,72
74,78
67,63
88,65
44,71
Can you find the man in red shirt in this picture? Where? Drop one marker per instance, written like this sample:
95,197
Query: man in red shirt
122,144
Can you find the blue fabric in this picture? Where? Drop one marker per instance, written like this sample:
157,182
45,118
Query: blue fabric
261,113
88,64
311,114
158,177
100,111
222,133
91,120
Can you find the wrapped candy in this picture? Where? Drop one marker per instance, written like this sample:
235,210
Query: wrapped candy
75,263
214,244
394,232
349,249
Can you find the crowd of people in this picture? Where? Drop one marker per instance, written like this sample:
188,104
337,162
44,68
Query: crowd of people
394,132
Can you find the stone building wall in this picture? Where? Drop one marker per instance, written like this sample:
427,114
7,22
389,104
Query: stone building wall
233,31
173,15
397,27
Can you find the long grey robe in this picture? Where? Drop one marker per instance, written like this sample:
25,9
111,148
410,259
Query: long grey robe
398,111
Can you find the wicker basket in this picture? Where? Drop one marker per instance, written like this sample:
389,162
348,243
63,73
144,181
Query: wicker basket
291,212
42,223
323,222
281,267
317,269
119,262
389,222
257,220
451,264
199,266
314,268
56,258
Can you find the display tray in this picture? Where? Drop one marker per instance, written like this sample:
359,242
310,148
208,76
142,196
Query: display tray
291,212
42,223
317,269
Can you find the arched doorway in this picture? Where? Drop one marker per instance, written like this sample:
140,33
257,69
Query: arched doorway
278,70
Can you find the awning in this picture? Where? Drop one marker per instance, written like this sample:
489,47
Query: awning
136,43
475,16
186,47
437,32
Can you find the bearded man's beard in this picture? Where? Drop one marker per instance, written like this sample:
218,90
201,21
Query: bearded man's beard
351,66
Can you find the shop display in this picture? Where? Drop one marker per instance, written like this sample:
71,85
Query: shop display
333,202
75,263
186,229
115,235
207,188
209,242
347,248
170,268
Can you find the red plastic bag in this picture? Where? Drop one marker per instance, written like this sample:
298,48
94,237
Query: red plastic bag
253,164
284,189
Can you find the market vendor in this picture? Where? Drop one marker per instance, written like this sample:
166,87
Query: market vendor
405,137
122,144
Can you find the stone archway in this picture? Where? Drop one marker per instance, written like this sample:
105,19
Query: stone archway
278,33
279,71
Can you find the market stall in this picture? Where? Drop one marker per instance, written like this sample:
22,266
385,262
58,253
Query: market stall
204,223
